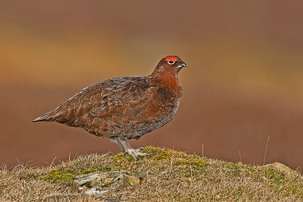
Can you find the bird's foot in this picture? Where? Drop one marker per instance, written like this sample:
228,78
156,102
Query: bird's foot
135,153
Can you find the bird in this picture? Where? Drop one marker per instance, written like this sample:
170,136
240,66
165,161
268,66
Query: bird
124,108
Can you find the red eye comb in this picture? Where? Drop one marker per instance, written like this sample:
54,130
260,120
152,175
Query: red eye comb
172,58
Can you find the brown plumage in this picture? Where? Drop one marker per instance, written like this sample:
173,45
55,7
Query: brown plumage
124,108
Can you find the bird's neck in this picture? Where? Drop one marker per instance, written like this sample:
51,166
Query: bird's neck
167,80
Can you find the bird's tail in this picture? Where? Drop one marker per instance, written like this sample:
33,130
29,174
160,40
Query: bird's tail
56,115
44,117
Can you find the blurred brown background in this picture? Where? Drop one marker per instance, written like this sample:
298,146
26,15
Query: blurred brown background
243,82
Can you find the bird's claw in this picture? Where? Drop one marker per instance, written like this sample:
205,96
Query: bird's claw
135,153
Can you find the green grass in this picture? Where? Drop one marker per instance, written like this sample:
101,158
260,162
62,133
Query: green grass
168,175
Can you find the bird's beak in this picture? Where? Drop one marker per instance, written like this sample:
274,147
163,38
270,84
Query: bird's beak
181,65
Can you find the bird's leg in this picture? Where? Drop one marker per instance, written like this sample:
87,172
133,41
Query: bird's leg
126,147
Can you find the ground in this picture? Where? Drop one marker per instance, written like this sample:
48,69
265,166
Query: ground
167,175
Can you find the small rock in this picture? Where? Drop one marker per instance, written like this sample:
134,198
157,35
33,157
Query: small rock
131,180
98,183
86,178
93,191
281,167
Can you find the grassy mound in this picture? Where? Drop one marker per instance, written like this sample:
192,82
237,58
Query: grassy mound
168,175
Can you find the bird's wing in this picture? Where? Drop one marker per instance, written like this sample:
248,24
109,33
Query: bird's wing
126,100
118,97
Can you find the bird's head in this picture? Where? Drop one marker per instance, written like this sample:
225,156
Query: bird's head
169,64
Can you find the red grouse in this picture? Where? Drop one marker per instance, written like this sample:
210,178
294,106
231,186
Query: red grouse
124,108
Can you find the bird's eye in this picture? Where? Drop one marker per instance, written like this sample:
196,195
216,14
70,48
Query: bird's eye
171,62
